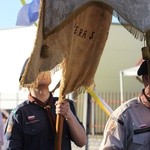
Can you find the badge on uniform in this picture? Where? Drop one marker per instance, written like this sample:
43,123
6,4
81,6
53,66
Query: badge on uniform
111,126
143,125
113,123
31,119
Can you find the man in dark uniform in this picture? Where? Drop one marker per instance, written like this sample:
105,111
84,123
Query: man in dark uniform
31,125
128,128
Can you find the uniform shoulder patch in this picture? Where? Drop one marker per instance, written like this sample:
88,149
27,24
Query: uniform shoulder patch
111,126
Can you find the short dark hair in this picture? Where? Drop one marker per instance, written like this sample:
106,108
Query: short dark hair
143,70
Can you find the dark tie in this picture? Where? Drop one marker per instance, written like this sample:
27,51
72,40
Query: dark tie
47,107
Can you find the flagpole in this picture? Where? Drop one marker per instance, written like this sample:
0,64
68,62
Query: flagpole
59,126
59,118
59,132
23,2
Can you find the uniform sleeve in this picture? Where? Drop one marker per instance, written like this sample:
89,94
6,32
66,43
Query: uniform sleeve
114,137
74,112
12,133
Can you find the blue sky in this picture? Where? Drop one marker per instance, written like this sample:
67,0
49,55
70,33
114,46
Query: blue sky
8,12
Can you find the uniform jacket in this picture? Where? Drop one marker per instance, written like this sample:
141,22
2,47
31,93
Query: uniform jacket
128,128
28,128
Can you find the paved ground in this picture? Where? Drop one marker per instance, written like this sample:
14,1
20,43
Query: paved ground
93,143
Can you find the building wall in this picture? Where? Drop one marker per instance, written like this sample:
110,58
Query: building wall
121,51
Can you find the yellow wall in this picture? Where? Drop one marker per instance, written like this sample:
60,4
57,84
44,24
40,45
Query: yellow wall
121,51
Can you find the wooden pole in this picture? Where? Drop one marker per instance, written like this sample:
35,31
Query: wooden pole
59,118
59,132
59,126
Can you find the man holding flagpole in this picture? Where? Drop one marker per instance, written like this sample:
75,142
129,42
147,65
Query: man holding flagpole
31,125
